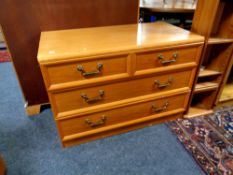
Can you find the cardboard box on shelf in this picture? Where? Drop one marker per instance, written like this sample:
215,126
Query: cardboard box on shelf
1,37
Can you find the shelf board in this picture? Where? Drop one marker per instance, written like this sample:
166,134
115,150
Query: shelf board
203,87
208,73
218,40
197,112
227,93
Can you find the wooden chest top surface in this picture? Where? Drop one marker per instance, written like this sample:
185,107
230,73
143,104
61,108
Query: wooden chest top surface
77,43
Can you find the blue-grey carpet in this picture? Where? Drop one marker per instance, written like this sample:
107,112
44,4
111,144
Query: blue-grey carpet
30,145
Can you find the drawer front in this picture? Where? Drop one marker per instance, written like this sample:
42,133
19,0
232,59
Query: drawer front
86,70
164,58
81,98
129,113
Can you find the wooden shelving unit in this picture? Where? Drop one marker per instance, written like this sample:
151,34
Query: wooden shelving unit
213,19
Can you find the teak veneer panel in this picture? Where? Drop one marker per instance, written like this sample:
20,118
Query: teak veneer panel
122,93
79,43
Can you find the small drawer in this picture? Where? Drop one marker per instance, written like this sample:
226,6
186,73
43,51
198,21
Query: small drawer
81,98
164,58
159,107
86,70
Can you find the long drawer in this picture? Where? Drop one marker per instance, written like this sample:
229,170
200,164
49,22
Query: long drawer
82,98
103,132
69,127
165,58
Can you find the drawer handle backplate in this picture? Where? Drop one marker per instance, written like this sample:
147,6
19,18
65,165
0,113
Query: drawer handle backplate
93,99
164,62
163,85
102,121
160,109
88,74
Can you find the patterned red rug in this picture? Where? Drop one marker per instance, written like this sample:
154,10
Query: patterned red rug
4,56
209,140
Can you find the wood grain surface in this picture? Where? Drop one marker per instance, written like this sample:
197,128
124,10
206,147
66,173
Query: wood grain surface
78,43
149,79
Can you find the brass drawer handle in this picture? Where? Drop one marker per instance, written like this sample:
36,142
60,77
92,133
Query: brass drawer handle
102,121
160,109
163,85
88,74
93,99
162,61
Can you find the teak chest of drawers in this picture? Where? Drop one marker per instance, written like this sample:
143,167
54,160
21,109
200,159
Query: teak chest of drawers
108,80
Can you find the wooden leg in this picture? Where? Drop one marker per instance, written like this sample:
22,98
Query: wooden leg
33,109
2,167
